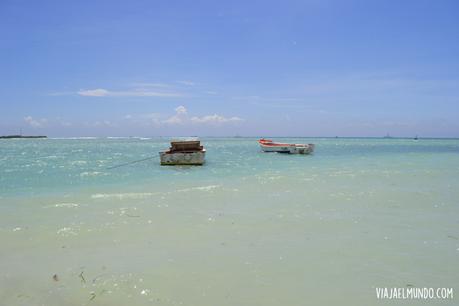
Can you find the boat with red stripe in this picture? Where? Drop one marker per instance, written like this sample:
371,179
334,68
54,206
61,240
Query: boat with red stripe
267,145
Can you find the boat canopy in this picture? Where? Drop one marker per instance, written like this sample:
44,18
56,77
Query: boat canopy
184,145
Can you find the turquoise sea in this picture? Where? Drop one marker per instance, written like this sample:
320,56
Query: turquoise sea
247,228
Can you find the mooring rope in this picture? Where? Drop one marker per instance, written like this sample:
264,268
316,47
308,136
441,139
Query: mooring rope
132,162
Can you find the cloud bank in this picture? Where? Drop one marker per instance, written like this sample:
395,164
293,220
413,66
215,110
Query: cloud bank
100,92
35,123
181,117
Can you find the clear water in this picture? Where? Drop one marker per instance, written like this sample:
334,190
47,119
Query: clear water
248,228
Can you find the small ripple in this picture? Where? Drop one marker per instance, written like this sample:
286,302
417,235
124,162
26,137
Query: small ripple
121,196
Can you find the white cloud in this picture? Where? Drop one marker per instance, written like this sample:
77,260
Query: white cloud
102,123
187,83
36,123
180,116
153,118
162,85
63,122
214,119
94,93
100,92
181,110
174,120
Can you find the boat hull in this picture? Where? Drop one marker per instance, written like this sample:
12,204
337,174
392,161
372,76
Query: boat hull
270,146
196,158
288,149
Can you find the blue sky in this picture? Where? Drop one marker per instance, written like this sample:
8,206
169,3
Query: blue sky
299,68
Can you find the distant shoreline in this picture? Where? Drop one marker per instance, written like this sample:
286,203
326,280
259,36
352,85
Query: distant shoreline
20,136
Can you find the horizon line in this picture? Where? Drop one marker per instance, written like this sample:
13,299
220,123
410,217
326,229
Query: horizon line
247,136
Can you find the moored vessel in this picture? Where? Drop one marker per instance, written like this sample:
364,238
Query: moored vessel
183,152
268,145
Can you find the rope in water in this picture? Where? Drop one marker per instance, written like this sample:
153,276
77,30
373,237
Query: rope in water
132,162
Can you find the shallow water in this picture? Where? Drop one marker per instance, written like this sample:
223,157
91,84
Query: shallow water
248,228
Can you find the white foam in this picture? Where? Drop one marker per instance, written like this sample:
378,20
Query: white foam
78,162
71,138
64,205
66,231
50,157
93,173
121,196
200,188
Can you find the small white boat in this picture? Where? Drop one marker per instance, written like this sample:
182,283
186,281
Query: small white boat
291,148
183,152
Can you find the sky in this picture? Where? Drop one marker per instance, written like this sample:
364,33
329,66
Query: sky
229,68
